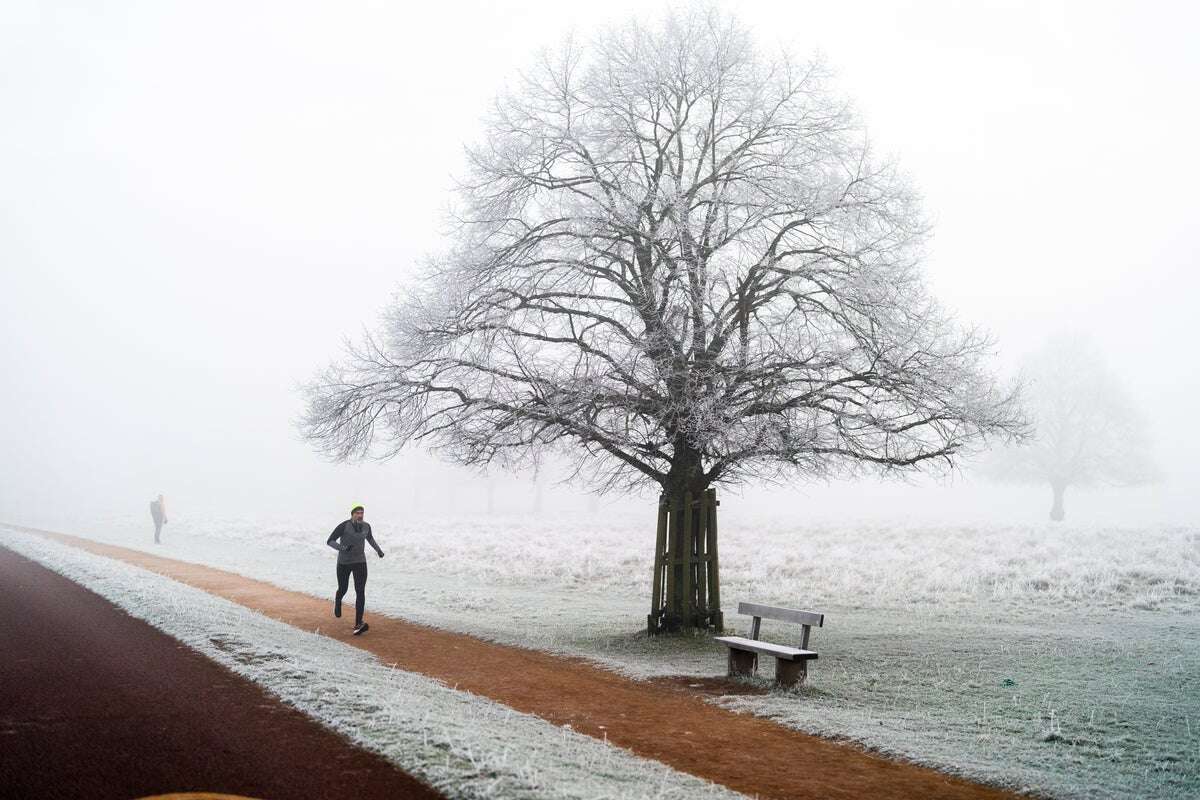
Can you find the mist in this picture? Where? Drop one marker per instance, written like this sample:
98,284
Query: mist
199,203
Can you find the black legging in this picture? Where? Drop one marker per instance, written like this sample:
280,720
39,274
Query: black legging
360,587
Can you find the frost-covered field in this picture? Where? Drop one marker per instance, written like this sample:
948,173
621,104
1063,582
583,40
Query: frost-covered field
1059,658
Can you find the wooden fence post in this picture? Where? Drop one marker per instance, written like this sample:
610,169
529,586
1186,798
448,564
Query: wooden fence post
715,618
687,539
654,618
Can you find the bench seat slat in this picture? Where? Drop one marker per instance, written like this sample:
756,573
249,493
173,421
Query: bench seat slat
777,650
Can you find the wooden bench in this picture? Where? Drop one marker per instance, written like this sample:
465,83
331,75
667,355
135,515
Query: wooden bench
791,663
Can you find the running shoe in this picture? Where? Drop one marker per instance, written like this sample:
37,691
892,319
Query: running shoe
361,629
337,606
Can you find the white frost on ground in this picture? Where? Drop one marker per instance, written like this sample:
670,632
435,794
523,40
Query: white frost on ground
1059,658
464,745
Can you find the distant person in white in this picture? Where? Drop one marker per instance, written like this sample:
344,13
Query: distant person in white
348,539
158,513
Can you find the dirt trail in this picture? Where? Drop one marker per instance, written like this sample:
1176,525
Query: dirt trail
746,753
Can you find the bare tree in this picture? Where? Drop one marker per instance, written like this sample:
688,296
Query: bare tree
680,264
1088,431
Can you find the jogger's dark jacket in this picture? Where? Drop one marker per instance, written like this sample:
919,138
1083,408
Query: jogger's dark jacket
352,536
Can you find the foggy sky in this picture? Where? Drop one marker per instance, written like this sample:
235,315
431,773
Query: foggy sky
198,201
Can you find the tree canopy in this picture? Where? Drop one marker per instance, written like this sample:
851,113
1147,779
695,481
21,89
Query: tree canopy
680,262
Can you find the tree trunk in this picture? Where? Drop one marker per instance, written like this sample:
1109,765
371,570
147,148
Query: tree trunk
1057,512
686,592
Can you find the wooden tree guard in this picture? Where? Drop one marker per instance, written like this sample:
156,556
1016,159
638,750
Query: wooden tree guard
687,587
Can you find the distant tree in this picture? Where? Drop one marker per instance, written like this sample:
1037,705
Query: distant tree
1088,432
679,264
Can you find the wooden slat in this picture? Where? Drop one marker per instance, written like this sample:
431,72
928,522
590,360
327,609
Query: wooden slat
693,560
701,563
687,540
714,575
660,556
777,650
782,614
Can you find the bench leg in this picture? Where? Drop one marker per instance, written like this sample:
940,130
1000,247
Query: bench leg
790,673
741,662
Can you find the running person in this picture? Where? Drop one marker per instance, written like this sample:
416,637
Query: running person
348,539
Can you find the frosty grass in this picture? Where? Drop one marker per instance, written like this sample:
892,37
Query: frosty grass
1058,659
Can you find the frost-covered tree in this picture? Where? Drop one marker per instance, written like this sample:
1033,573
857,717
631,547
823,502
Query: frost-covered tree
678,263
1088,431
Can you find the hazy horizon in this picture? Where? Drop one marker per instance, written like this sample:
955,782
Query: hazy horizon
199,203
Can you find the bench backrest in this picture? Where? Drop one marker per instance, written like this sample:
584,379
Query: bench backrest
806,619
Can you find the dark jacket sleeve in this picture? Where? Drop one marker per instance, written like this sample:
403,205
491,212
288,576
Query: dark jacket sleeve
332,541
371,539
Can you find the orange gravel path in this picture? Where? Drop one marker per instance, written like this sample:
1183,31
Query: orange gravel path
746,753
